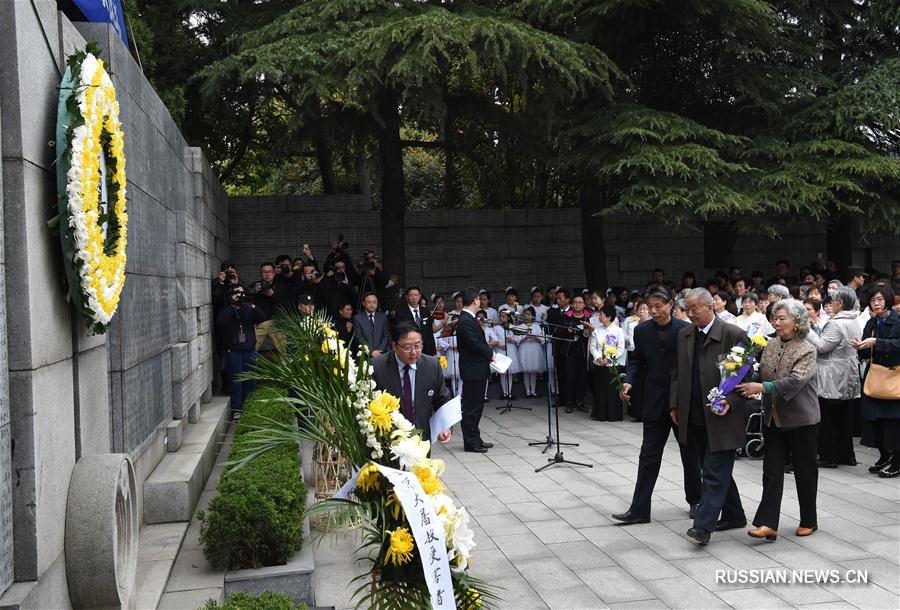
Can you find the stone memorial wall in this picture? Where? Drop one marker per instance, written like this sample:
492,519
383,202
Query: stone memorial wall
70,394
450,249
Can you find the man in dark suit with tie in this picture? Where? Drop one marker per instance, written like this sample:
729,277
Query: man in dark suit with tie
716,435
372,326
475,357
650,366
411,312
415,377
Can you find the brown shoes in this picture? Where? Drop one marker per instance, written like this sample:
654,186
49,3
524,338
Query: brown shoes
764,532
806,531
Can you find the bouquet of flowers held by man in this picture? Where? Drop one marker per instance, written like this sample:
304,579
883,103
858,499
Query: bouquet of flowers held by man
607,351
420,541
735,367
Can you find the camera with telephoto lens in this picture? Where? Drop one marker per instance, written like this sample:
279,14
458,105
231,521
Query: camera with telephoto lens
264,285
230,275
285,268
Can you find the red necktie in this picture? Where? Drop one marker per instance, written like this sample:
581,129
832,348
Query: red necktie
407,395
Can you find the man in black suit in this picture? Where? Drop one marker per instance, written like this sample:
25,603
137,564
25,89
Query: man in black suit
411,312
716,435
650,366
475,358
415,377
372,326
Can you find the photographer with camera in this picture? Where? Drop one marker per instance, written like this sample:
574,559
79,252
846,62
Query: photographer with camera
236,334
284,272
227,277
344,289
316,285
270,296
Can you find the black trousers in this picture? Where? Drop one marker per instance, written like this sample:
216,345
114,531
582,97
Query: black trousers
802,443
719,494
607,404
656,433
576,380
562,382
836,431
472,400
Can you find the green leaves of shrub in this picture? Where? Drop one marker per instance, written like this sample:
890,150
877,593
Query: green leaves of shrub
257,518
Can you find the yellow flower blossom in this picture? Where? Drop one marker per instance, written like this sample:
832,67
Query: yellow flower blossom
610,351
369,478
400,548
443,361
395,509
759,340
730,365
428,472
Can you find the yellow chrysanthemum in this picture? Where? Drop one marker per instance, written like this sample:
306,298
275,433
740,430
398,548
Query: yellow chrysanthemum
472,599
369,478
395,509
401,547
443,361
610,351
759,340
390,402
730,365
428,472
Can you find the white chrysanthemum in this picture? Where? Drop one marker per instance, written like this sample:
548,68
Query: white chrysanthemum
461,540
409,452
737,349
401,423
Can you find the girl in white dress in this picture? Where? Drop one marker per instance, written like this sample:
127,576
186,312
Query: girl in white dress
532,357
506,341
537,304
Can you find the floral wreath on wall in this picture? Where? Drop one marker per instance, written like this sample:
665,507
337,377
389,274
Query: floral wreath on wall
91,182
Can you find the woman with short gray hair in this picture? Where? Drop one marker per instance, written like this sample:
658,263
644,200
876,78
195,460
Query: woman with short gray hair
791,411
837,379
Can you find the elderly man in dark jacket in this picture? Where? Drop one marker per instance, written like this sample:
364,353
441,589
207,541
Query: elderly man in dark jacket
716,436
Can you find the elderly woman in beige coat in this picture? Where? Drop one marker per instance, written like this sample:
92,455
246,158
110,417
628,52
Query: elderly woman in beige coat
791,409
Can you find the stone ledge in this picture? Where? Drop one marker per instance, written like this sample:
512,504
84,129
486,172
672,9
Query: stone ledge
171,492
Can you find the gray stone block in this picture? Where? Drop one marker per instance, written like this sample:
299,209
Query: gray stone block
193,413
175,434
93,401
145,401
38,315
145,323
192,292
187,324
296,578
181,362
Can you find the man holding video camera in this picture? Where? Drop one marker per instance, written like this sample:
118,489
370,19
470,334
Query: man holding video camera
221,283
236,334
271,296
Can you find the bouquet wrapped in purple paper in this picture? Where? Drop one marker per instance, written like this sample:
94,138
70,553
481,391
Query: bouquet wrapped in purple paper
734,368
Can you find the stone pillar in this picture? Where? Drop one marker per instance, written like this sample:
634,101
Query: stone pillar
6,516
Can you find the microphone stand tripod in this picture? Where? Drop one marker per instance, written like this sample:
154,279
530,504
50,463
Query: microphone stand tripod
509,406
550,441
558,458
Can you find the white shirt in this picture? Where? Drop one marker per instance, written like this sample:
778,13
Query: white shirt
705,329
412,380
413,311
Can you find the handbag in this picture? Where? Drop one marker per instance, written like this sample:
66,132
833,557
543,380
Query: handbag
882,382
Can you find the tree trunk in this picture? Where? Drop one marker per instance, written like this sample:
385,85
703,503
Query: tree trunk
326,163
393,191
839,241
593,245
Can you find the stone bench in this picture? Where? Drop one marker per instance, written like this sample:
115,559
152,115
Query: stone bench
172,490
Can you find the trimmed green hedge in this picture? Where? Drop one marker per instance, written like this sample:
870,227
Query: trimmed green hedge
257,518
264,601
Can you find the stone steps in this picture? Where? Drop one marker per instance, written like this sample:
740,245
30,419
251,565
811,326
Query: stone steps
172,490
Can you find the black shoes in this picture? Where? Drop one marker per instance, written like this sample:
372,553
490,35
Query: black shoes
734,524
486,445
476,449
850,462
630,518
701,536
822,464
891,470
693,511
789,468
881,463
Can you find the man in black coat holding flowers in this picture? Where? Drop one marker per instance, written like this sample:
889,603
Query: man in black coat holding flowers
715,434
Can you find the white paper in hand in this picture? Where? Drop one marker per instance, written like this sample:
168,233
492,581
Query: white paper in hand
446,417
501,363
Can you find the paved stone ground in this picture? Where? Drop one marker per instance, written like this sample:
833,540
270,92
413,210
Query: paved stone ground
548,540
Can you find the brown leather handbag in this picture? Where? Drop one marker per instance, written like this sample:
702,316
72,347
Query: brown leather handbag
882,382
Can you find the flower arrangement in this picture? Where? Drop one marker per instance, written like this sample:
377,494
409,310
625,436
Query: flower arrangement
607,352
91,150
733,368
411,525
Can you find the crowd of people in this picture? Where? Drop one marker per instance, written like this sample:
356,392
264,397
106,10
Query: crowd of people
831,328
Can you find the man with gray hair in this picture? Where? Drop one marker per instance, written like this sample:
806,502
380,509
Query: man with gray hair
715,434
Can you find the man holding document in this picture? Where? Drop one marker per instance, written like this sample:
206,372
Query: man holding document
415,377
475,357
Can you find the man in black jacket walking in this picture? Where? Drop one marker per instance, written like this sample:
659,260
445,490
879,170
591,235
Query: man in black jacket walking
235,328
650,365
475,358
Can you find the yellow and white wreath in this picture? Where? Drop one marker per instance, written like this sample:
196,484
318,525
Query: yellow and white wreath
93,231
